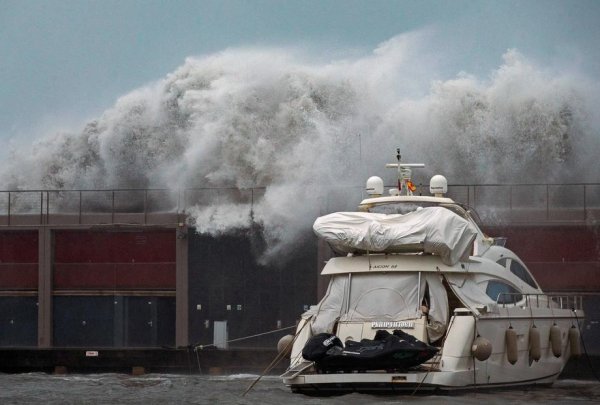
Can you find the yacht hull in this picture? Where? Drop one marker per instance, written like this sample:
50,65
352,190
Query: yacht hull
328,384
455,367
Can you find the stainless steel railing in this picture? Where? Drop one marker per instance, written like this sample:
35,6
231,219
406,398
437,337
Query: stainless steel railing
545,300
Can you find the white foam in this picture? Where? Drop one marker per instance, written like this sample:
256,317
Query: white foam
272,118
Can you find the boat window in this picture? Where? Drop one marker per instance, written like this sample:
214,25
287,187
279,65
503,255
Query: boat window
518,270
398,208
408,207
502,262
502,293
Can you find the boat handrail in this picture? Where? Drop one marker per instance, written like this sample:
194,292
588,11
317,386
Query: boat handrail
540,300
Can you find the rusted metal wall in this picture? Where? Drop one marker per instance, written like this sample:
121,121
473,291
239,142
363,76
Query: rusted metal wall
85,259
18,260
561,257
18,287
114,288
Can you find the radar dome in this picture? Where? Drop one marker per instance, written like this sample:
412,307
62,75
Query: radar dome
375,185
438,185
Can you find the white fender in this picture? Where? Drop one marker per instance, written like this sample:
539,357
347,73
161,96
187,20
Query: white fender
535,350
574,342
555,341
284,346
512,353
481,348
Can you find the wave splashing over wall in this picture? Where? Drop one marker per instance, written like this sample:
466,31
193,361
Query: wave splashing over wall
270,118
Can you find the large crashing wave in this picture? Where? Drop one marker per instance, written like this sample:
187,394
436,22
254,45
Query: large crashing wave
269,118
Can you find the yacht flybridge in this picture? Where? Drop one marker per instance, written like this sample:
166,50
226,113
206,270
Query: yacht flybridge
420,298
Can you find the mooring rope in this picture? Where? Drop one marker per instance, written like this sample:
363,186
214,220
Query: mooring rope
584,348
277,358
197,346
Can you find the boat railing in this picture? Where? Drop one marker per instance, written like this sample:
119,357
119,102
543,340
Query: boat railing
574,302
543,300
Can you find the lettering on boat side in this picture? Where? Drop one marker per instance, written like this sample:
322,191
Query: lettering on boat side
385,266
392,325
328,341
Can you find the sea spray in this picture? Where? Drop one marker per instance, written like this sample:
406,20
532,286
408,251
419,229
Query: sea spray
300,131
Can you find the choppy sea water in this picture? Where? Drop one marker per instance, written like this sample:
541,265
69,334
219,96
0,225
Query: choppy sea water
195,389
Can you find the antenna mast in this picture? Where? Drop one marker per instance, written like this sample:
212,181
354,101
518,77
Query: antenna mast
404,173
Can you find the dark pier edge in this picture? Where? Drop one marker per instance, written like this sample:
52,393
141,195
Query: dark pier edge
185,361
175,361
582,368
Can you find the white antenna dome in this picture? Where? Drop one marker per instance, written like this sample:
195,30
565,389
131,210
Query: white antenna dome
438,185
374,185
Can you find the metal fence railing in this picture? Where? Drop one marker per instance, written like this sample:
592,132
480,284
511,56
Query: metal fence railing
495,203
531,202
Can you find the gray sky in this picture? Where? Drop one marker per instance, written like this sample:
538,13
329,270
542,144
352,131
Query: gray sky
63,62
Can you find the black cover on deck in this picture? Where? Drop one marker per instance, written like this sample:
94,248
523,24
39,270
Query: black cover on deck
399,351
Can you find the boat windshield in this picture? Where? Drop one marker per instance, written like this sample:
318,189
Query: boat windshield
406,207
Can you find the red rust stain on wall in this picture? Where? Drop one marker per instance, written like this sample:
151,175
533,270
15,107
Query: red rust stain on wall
561,258
114,260
18,260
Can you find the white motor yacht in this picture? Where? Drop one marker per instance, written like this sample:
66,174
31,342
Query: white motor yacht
421,265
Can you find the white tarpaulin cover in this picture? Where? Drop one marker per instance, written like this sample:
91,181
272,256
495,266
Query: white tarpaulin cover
382,297
434,230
